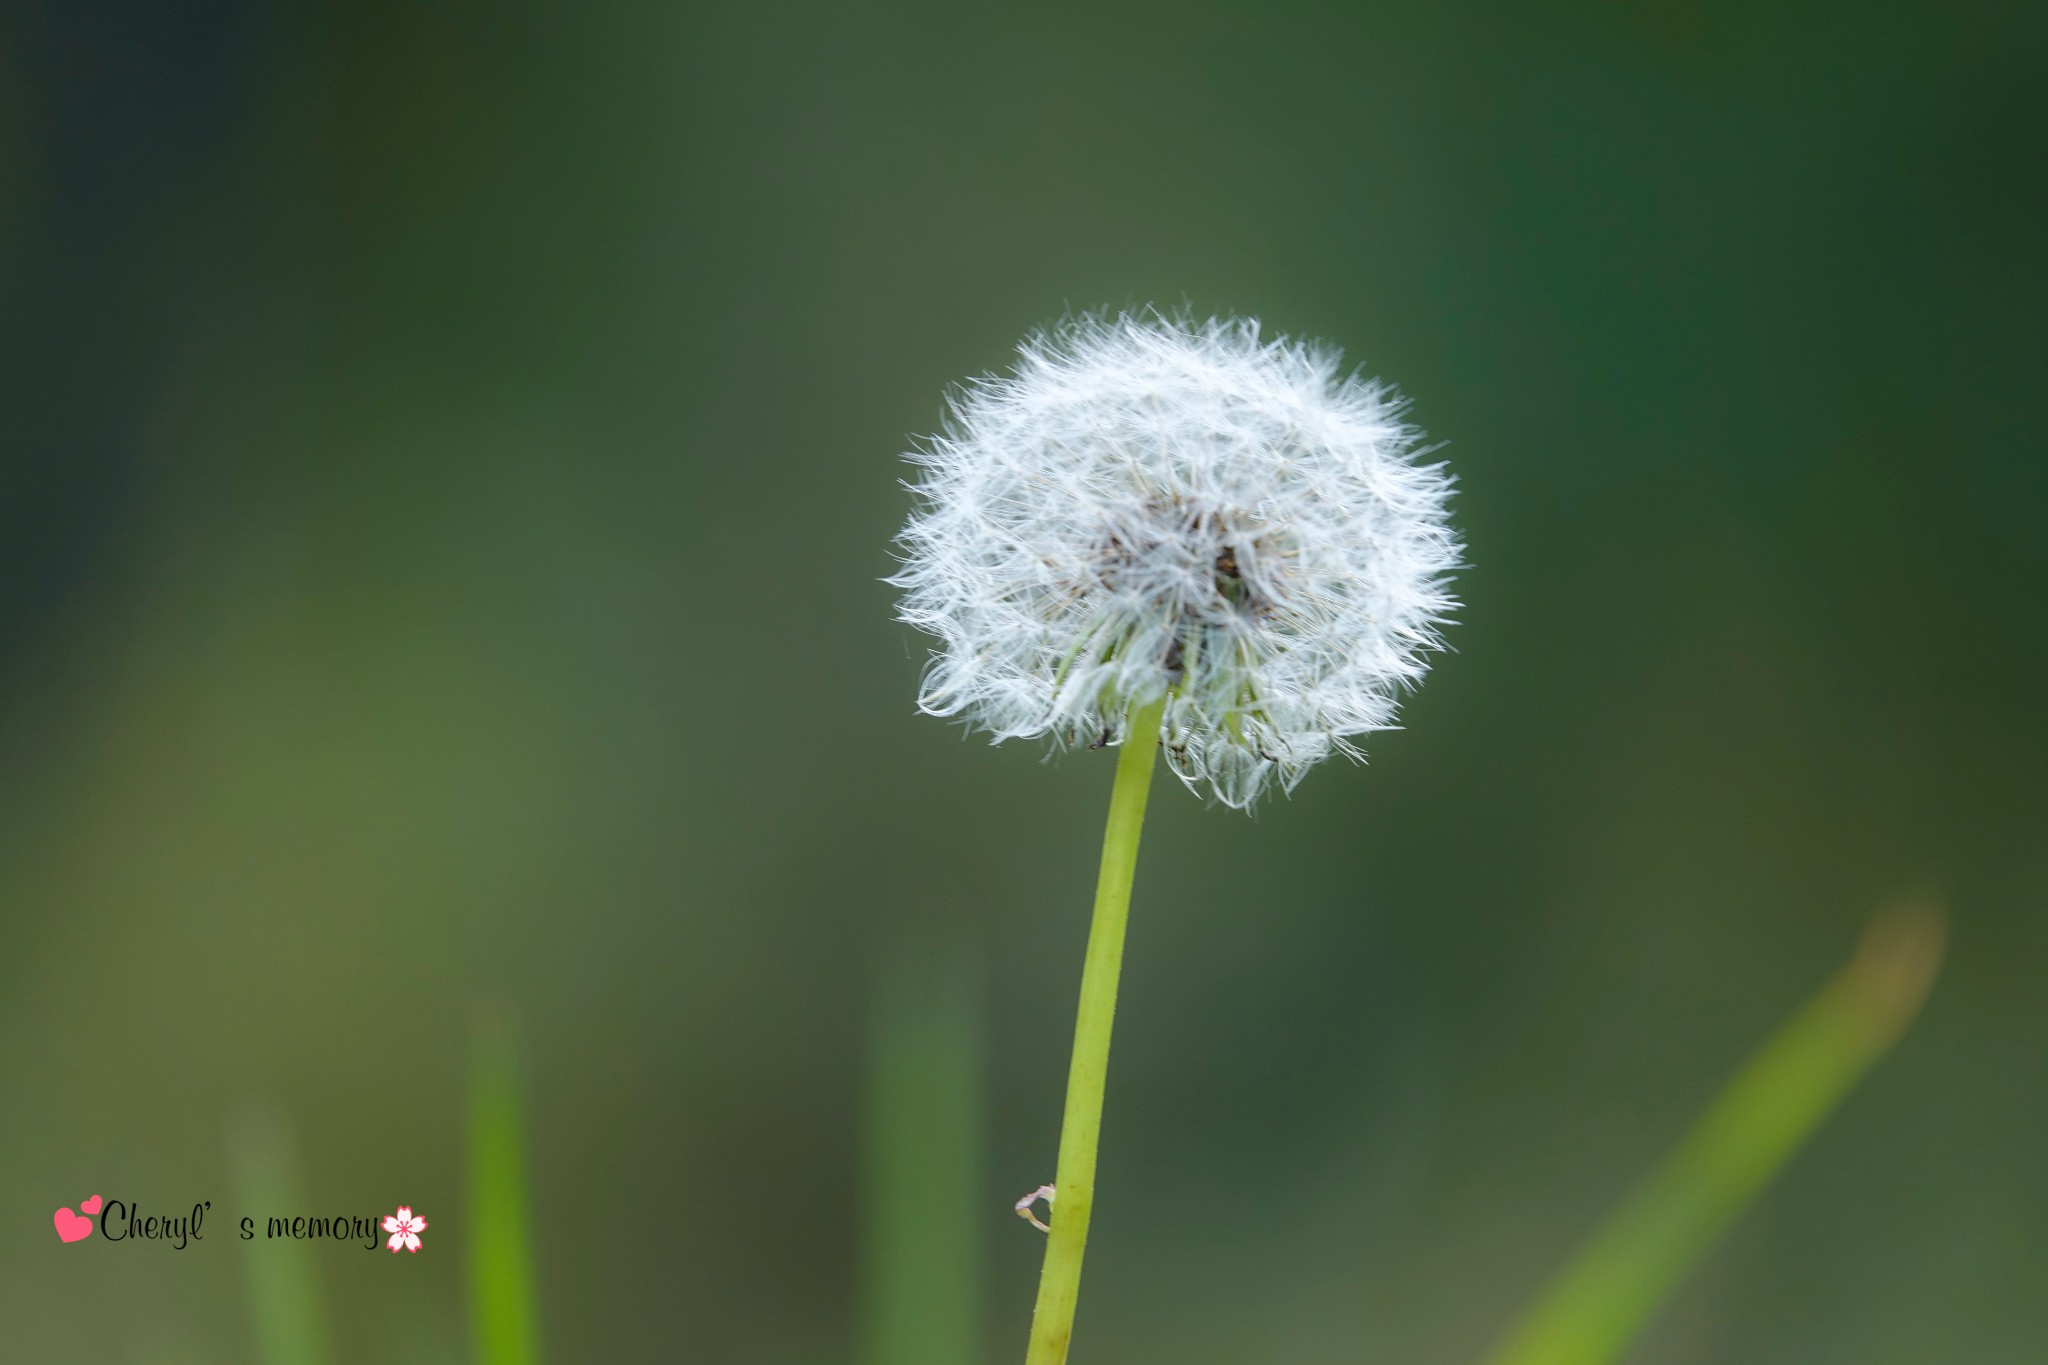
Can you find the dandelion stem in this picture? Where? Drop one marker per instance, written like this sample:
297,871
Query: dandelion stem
1059,1283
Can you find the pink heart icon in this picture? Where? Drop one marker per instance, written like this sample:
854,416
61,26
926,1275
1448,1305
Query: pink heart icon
70,1227
90,1206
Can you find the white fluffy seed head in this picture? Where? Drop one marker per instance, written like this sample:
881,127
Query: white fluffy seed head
1145,506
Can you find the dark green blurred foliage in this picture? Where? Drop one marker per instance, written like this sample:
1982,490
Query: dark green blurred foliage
447,458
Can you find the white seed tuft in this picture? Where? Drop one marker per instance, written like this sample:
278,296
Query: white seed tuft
1146,504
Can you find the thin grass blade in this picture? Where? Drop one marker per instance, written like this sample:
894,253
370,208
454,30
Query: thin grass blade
504,1312
1596,1308
924,1210
287,1306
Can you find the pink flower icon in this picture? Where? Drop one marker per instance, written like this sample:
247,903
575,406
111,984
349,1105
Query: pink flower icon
405,1229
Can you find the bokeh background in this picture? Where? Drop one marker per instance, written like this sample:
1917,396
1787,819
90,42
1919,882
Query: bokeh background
448,454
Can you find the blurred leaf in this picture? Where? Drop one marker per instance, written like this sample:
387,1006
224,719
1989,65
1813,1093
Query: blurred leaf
1599,1304
503,1308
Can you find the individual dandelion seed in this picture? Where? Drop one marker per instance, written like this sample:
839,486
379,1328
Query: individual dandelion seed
1146,507
1158,533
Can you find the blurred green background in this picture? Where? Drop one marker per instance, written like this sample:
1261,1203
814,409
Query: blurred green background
448,453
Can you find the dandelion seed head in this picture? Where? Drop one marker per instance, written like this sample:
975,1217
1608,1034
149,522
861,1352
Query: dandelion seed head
1146,505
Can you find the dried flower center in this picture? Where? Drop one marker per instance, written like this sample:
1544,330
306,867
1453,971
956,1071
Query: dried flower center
1203,572
1229,582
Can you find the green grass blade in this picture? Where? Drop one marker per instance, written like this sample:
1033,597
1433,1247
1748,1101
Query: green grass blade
1592,1312
287,1307
504,1314
924,1210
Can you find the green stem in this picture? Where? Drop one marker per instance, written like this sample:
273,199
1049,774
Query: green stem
1059,1283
